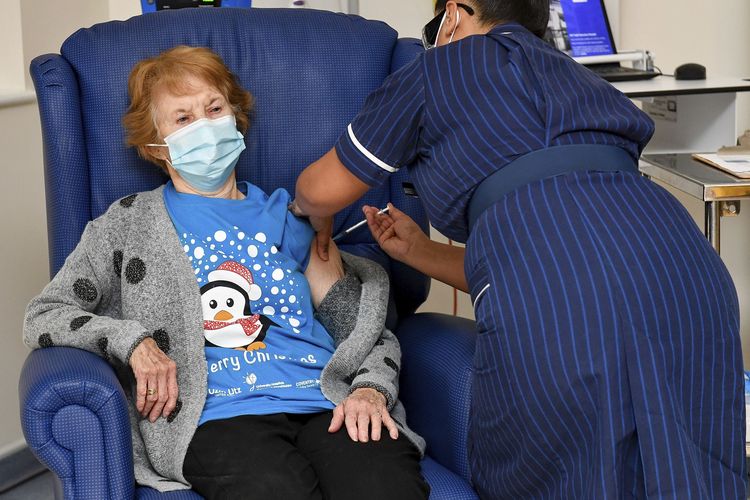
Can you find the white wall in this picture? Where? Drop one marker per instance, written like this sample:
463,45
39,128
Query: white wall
124,9
407,17
27,28
11,78
23,265
715,34
46,24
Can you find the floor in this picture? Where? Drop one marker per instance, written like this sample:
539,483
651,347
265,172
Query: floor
39,487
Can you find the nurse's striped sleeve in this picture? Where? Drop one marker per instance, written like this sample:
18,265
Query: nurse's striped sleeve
385,134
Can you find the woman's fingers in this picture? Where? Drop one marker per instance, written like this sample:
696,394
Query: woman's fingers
364,417
376,424
152,388
158,408
363,426
156,380
351,422
173,389
140,390
338,419
163,389
390,424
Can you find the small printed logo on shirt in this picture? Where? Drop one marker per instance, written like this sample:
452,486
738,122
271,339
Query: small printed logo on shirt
306,384
219,393
274,385
250,380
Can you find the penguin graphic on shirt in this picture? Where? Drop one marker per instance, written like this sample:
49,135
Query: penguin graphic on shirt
227,318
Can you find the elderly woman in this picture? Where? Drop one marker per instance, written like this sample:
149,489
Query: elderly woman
253,370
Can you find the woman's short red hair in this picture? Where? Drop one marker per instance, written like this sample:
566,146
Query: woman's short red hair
168,71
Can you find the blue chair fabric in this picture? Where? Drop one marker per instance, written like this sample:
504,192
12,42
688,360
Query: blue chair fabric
436,381
75,419
310,72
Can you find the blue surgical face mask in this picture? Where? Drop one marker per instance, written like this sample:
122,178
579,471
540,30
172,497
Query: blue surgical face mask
205,152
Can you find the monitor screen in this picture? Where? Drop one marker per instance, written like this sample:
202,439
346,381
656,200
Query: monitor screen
579,27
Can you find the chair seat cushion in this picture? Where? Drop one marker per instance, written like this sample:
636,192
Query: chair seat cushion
444,484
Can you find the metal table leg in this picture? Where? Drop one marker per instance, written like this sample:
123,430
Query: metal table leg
712,228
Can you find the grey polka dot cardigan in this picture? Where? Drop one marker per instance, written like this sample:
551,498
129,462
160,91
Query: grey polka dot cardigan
129,279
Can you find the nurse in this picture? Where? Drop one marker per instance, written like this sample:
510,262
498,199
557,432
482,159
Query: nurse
608,361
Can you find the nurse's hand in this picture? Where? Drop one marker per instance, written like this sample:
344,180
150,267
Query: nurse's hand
396,233
364,412
156,380
324,228
402,239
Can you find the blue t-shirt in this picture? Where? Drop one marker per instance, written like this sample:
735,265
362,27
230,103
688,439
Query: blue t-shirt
264,350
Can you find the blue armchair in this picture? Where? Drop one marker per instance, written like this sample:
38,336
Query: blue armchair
310,72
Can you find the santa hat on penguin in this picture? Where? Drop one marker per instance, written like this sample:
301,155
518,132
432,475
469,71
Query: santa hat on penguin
234,272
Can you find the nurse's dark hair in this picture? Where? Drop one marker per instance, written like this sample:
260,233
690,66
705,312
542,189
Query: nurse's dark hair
531,14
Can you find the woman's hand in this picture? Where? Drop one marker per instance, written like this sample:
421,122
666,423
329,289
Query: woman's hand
156,380
396,233
364,412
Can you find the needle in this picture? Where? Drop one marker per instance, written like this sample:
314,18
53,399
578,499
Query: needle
357,226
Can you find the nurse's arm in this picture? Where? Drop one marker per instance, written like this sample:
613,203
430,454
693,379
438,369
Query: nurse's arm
441,261
324,188
402,239
327,186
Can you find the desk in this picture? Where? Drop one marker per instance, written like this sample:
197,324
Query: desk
690,116
704,182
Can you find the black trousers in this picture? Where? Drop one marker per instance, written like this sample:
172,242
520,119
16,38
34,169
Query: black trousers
292,457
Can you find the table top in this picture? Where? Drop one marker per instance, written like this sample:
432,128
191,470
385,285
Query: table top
668,86
695,178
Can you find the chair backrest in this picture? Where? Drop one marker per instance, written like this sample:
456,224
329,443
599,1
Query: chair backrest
309,71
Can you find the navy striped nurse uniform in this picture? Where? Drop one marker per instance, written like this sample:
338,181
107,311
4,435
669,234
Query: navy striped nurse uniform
607,362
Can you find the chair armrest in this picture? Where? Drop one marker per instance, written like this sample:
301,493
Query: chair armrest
74,416
436,369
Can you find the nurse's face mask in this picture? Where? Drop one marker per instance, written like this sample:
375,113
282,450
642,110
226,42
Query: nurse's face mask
432,29
205,152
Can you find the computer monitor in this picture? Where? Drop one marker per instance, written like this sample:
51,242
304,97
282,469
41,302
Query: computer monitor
154,5
580,28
